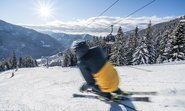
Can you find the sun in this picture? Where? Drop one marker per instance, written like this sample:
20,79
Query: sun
44,9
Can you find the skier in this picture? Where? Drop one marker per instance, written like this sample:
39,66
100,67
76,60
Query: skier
98,72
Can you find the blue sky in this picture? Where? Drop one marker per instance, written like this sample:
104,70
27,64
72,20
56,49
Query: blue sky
79,11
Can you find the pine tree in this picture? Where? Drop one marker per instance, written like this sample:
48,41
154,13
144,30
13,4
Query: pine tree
69,59
150,44
36,63
164,47
1,66
158,52
118,49
131,46
94,42
20,62
27,62
14,61
136,36
178,43
7,65
65,60
101,42
141,55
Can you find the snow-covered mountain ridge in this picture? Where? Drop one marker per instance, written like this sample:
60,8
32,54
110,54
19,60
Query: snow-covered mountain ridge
25,42
51,89
67,39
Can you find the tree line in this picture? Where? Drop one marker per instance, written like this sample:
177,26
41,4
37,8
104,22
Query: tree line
14,63
138,48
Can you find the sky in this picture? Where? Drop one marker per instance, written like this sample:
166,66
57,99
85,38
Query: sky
82,16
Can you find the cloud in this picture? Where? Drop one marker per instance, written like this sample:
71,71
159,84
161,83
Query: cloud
100,25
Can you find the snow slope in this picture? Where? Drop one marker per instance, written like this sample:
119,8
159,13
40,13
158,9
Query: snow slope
42,89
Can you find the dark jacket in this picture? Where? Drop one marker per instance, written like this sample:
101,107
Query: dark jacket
97,70
91,63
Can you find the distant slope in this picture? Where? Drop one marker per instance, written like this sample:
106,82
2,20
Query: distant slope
67,39
159,29
25,41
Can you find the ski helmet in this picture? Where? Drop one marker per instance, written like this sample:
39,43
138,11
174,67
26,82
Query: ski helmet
80,48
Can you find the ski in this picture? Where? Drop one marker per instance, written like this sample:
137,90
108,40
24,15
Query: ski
105,100
122,98
141,93
130,93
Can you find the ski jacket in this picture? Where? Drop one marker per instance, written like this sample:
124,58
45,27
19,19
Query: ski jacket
107,78
94,65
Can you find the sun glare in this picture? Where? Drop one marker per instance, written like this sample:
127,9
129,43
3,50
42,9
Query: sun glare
44,9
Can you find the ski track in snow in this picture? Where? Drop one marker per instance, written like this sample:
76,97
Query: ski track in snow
51,89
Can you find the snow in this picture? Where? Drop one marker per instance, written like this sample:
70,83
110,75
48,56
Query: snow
44,44
51,89
183,20
23,45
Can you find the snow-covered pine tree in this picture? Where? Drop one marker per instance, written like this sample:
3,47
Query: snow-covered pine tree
150,44
7,65
136,36
141,55
164,47
27,62
94,42
131,46
106,47
68,59
20,62
35,63
73,59
1,66
100,41
158,50
97,41
178,43
65,59
13,61
118,49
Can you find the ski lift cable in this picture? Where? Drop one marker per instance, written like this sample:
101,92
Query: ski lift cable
101,14
137,10
104,11
107,27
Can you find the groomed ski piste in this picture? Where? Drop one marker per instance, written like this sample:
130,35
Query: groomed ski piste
51,89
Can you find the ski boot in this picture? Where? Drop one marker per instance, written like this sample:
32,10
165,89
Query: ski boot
121,93
104,96
126,93
117,95
88,88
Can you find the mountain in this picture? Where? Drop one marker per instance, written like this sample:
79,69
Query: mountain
67,39
160,28
25,42
51,89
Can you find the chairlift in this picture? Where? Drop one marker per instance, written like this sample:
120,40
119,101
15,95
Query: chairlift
110,37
